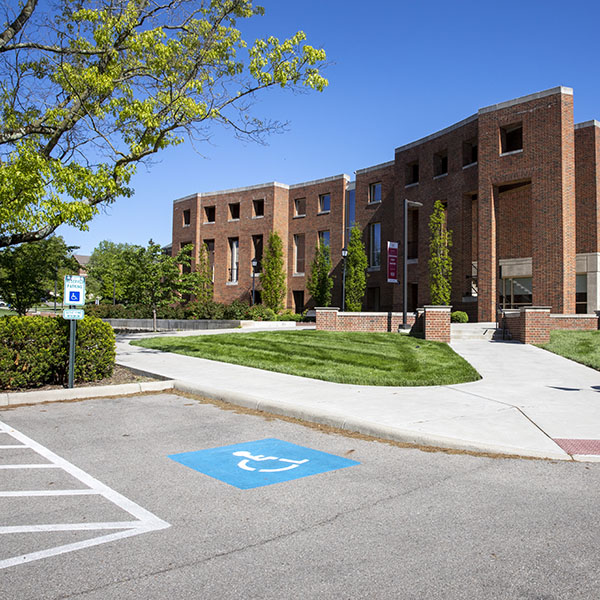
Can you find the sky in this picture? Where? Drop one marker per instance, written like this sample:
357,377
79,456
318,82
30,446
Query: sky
398,71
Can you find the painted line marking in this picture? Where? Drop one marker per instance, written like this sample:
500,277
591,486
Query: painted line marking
12,446
144,521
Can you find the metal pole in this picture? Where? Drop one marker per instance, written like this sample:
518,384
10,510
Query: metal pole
55,288
73,332
405,268
344,286
253,275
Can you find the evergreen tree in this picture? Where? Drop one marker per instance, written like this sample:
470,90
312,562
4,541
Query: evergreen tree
440,263
320,281
273,275
356,271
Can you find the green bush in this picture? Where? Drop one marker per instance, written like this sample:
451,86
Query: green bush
34,351
237,310
259,312
204,310
459,316
289,315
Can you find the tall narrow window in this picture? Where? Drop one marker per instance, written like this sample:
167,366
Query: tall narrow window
234,246
412,173
299,253
209,214
257,246
187,218
374,192
210,250
300,207
413,234
581,294
511,138
350,212
375,245
258,208
323,238
470,152
324,203
234,211
440,163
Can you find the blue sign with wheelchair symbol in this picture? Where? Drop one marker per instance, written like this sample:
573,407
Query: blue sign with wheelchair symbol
74,297
263,462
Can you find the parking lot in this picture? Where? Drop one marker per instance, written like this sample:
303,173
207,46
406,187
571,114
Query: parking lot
110,498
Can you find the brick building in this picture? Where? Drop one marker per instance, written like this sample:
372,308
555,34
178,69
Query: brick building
521,186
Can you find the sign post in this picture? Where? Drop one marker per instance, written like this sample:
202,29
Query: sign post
74,295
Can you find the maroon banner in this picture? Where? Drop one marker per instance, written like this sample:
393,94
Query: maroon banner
392,262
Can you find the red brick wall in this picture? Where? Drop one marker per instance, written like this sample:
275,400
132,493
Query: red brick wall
573,322
437,323
587,159
332,320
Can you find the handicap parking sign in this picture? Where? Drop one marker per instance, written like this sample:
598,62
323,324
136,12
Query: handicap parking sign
74,297
263,462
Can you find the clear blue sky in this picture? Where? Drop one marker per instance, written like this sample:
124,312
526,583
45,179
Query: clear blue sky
398,71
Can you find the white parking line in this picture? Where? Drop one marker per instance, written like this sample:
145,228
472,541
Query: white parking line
144,521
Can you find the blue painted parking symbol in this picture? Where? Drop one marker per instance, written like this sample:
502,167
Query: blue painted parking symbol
74,296
263,462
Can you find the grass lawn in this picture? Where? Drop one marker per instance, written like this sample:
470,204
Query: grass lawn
359,358
580,346
5,312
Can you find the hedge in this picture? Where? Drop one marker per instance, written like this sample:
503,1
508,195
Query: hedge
34,351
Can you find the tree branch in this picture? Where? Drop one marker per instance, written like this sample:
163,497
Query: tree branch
18,24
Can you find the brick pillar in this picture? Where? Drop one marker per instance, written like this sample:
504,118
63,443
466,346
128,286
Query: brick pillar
486,256
437,323
535,324
326,318
598,315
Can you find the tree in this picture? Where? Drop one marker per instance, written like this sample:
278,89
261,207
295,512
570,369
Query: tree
356,271
90,89
440,263
196,280
28,272
273,275
320,282
107,270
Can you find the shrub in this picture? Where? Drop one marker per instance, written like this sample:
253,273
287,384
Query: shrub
289,315
259,312
204,310
34,351
171,312
237,310
458,316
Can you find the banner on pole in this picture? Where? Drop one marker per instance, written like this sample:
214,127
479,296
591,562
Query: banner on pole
392,262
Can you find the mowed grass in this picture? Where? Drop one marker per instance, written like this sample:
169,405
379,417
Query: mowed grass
358,358
580,346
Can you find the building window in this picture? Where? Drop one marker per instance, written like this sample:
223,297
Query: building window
186,268
350,213
234,211
187,218
209,214
440,163
511,138
323,238
258,208
298,301
257,246
299,254
413,234
581,294
234,248
324,203
375,245
470,149
373,299
210,250
300,207
412,173
374,192
516,292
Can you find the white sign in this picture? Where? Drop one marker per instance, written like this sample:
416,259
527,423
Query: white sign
74,290
73,314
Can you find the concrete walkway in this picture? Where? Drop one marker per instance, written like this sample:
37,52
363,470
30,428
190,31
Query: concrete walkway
530,402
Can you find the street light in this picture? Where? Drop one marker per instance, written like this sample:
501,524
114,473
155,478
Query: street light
254,265
412,204
344,256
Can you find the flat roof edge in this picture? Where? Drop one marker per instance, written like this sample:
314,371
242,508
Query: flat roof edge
592,123
555,90
247,188
437,134
323,180
389,163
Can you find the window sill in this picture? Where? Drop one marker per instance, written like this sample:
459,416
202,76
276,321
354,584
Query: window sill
298,216
440,176
412,261
298,275
512,152
409,185
469,165
232,220
374,203
323,212
374,269
258,217
185,226
208,223
231,283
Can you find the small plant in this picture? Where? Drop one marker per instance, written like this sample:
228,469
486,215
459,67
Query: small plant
459,316
289,315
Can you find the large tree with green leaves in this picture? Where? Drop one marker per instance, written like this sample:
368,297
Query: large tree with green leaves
356,271
320,282
90,89
440,262
196,277
28,272
272,279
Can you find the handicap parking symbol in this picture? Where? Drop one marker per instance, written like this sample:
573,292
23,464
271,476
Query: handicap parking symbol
74,296
260,463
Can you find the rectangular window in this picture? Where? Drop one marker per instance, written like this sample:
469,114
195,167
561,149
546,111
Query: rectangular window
210,250
413,234
209,214
257,247
186,268
323,238
412,173
516,292
298,301
258,208
350,212
470,152
300,207
324,203
234,247
187,218
374,192
511,138
373,299
581,294
375,245
234,211
440,163
299,253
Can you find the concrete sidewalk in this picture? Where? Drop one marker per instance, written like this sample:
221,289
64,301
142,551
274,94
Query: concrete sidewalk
530,402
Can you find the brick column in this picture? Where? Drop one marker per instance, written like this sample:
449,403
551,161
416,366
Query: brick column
535,324
486,256
598,315
437,323
326,318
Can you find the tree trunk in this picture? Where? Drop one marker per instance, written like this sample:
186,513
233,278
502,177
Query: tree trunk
154,327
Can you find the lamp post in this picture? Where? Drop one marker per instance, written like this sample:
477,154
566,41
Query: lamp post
254,265
412,204
344,256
